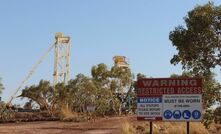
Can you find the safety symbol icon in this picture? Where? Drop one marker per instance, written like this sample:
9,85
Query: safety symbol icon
177,114
196,114
186,114
167,114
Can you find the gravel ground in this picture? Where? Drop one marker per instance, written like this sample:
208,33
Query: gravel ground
100,126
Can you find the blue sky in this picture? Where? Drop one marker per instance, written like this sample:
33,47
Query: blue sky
99,29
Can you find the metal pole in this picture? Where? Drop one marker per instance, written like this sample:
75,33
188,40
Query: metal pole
151,127
188,127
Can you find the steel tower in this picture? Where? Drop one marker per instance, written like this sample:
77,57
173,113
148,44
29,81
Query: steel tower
61,58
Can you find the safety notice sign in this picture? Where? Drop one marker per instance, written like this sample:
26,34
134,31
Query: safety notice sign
169,99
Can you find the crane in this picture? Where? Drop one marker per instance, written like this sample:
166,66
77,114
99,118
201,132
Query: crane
31,72
61,66
28,76
61,63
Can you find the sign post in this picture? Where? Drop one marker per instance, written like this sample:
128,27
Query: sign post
151,127
169,99
187,127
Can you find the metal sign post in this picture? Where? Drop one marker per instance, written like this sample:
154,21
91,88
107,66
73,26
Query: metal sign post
151,127
188,127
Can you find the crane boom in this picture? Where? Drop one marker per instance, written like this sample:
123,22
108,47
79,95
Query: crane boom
31,72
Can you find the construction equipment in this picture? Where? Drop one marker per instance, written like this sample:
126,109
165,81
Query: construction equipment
31,72
61,63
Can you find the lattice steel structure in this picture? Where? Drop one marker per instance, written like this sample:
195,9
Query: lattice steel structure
121,61
61,58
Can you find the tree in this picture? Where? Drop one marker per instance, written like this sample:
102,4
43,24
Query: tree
114,81
28,105
83,92
49,98
211,95
141,76
198,42
105,90
101,75
61,98
101,78
121,83
1,86
42,94
199,49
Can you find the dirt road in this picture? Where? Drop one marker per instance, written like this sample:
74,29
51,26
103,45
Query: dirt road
101,126
104,126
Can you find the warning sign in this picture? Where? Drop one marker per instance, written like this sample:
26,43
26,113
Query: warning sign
169,99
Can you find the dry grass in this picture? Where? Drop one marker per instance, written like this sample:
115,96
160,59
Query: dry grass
180,128
127,128
198,128
215,128
68,114
163,128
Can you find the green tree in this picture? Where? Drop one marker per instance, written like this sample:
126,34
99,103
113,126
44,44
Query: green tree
198,42
42,94
141,76
114,81
86,91
101,78
211,95
105,90
83,92
61,98
101,75
121,83
199,49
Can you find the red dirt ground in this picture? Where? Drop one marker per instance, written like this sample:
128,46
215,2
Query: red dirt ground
109,125
101,126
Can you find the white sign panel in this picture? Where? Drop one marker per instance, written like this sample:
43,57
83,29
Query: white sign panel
169,99
182,107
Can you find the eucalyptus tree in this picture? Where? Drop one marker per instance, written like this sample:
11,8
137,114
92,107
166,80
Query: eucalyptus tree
42,94
198,41
114,82
199,48
121,83
83,92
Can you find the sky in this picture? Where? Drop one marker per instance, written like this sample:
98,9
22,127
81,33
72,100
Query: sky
99,30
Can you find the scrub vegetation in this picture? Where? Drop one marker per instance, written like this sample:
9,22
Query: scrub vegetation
112,92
